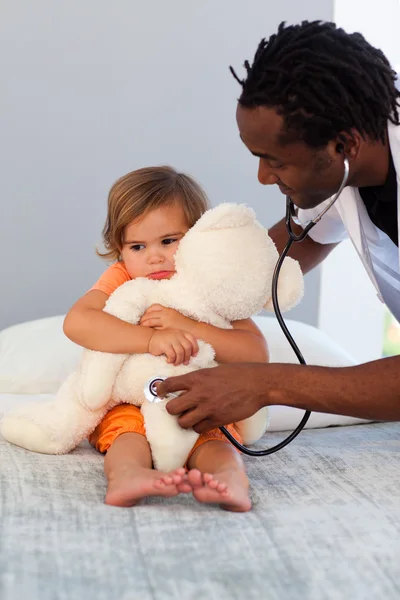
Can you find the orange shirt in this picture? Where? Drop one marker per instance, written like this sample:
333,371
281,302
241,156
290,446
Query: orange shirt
112,278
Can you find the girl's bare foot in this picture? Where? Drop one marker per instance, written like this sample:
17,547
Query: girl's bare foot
228,487
128,483
179,477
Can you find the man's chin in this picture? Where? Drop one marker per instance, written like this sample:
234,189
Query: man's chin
306,202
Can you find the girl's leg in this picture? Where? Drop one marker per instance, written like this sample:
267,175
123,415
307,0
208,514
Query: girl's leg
128,464
217,475
129,472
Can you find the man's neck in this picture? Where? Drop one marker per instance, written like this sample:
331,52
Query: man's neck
373,164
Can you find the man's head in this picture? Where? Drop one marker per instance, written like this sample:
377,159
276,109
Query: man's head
312,95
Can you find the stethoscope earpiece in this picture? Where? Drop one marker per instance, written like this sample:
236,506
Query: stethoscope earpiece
340,148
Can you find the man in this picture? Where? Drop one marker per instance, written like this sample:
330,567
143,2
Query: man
313,96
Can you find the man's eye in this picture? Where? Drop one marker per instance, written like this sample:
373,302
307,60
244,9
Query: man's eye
137,247
275,165
169,241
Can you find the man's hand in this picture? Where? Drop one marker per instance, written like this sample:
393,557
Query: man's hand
229,393
159,317
214,397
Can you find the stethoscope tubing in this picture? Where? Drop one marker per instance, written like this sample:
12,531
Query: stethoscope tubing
150,388
292,238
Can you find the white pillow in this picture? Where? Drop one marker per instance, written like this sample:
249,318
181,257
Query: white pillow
36,357
316,347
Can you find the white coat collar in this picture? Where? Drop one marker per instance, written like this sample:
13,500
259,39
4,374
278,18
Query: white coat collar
352,209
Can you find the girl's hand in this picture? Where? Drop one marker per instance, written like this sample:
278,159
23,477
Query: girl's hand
159,317
177,345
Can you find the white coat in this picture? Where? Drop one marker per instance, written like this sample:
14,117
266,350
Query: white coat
348,217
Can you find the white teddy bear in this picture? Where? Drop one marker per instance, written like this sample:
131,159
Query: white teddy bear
224,268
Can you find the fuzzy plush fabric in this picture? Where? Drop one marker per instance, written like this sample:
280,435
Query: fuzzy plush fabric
224,268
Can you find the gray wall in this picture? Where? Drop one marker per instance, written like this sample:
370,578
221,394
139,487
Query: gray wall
92,89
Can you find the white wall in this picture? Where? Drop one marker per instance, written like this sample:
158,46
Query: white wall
349,310
92,89
377,21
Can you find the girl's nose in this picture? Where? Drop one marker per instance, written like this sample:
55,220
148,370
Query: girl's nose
156,257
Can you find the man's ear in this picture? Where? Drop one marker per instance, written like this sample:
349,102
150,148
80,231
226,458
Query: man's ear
348,143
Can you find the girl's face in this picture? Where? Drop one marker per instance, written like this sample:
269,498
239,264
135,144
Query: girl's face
151,241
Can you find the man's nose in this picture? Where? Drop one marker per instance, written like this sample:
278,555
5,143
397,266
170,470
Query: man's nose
266,175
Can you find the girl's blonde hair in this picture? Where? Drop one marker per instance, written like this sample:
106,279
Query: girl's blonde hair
145,190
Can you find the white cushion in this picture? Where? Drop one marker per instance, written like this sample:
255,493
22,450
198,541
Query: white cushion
9,402
316,347
36,357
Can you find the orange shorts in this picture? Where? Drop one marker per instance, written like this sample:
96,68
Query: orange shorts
127,418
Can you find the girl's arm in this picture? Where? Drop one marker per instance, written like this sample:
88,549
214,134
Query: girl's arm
243,343
89,326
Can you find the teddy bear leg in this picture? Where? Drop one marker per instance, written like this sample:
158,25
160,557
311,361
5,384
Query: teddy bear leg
51,427
98,372
254,427
170,444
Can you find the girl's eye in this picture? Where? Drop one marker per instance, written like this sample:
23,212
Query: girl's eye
169,241
275,165
137,247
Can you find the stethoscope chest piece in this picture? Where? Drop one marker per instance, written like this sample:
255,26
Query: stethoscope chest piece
150,389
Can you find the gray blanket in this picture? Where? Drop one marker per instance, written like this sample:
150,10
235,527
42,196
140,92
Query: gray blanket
325,524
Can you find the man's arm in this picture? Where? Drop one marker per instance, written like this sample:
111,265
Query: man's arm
308,253
367,391
230,393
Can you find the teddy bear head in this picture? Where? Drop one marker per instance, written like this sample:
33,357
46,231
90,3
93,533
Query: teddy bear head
229,259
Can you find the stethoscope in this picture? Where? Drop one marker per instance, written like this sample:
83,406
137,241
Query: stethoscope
150,389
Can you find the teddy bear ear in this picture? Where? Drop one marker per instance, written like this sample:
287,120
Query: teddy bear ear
224,216
290,286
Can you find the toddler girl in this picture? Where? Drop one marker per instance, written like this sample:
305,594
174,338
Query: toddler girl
149,211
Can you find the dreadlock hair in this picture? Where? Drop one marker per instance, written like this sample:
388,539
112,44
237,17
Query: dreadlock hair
323,81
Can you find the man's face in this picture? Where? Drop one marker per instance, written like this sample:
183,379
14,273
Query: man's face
307,175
